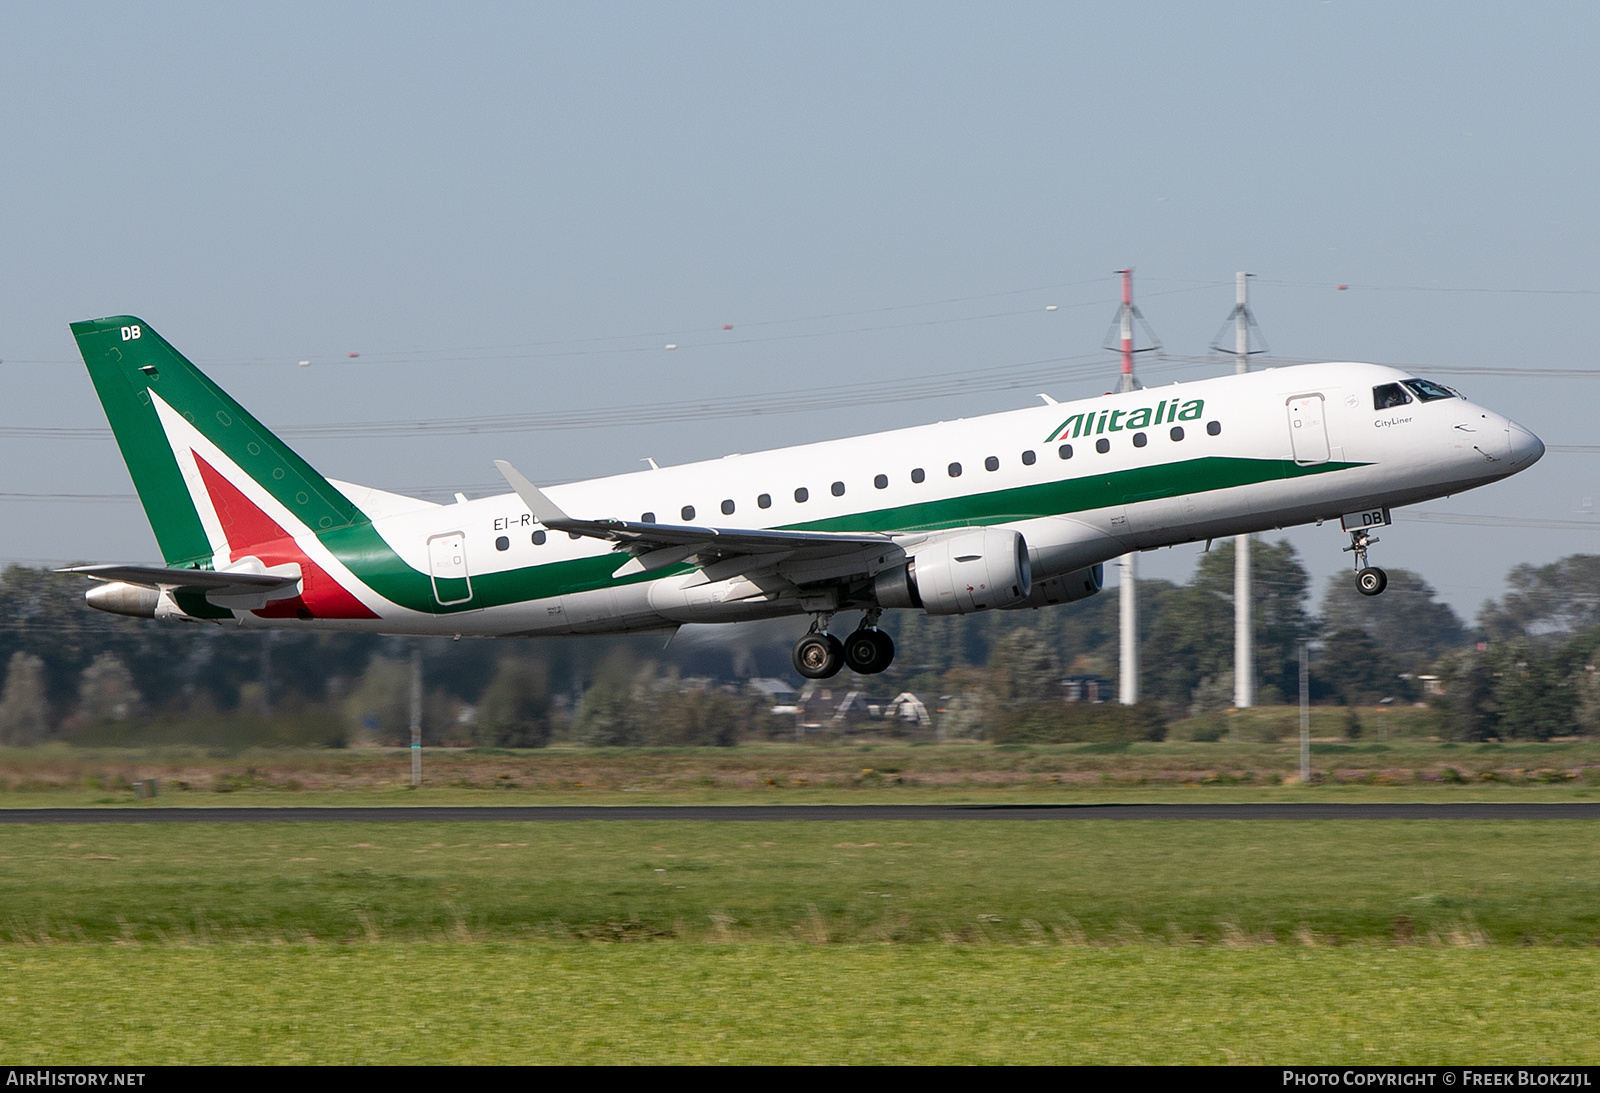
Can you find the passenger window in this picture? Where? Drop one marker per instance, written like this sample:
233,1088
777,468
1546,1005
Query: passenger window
1028,459
1102,445
1389,396
502,543
838,489
881,482
802,495
1065,451
648,518
688,512
992,463
1427,390
919,475
1177,432
1140,440
955,470
764,501
1214,428
538,538
727,508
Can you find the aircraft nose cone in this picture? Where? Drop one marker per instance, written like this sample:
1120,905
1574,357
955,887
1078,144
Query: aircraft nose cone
1526,449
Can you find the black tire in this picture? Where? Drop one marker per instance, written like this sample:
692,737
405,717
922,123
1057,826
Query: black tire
818,656
885,651
868,651
1372,581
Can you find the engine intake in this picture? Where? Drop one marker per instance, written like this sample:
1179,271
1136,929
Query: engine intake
960,573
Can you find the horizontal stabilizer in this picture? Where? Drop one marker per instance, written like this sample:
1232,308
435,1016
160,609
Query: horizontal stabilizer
186,580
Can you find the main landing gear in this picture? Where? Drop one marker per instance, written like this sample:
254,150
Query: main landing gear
1370,580
820,655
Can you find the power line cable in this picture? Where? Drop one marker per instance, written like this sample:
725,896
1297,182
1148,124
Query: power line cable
1485,520
940,385
518,352
1436,288
806,400
1214,361
417,355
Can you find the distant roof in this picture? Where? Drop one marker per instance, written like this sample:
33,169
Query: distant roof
770,686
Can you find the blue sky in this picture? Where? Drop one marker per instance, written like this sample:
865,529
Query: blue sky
514,208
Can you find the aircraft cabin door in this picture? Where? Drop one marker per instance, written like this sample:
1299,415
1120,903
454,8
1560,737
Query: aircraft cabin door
447,564
1308,429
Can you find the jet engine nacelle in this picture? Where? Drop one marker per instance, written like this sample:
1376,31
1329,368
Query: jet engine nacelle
959,573
1080,584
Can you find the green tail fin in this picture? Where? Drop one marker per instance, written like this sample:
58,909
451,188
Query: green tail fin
132,368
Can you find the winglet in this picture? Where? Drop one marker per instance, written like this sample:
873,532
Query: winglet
544,510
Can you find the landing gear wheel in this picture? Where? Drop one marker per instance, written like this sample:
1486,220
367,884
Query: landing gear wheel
885,651
818,656
868,651
1371,581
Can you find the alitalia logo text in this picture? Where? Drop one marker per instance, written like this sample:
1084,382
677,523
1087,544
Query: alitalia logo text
1115,421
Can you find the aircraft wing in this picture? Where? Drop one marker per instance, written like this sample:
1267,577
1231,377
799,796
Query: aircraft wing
187,580
658,545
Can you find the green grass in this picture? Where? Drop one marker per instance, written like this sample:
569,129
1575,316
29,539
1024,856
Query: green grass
770,1003
879,770
1431,883
772,942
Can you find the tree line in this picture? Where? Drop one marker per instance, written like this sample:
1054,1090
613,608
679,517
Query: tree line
1524,670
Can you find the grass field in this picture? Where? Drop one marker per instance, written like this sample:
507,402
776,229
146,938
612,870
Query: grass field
1442,883
789,1003
1219,941
1087,941
887,770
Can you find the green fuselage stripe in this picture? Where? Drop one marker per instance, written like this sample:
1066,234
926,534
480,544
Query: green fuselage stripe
370,558
1069,495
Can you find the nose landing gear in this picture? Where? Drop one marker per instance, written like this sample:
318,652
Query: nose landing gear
820,655
1370,580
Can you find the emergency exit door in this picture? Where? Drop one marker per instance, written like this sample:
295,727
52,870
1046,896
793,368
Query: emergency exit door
447,563
1308,430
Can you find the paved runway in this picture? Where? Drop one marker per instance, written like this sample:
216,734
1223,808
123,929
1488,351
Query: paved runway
747,813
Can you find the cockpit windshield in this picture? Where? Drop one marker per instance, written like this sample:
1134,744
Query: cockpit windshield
1388,396
1427,390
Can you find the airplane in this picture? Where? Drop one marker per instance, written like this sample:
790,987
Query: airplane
1007,511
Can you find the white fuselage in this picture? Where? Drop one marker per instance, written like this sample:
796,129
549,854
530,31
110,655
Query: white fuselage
1289,446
